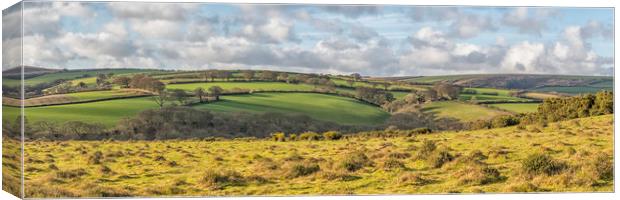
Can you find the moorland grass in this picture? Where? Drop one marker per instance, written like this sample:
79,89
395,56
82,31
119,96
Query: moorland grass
489,161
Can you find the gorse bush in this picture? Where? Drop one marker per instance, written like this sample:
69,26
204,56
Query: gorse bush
392,163
477,174
538,163
278,137
332,135
309,136
292,137
427,147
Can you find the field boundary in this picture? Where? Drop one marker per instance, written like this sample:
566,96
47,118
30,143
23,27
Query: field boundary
82,101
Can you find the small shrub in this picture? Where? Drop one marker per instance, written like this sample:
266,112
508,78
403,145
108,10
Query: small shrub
70,174
219,180
105,170
421,131
392,163
398,155
310,136
477,175
338,176
538,163
52,167
332,135
95,159
522,187
278,137
355,161
428,146
439,157
292,137
299,170
603,166
413,179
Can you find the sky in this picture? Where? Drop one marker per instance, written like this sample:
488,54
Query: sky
375,40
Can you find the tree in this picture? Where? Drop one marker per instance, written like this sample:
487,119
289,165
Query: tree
356,77
123,81
248,75
161,98
50,128
268,75
82,129
225,75
448,91
199,92
101,78
216,91
180,95
313,81
283,76
82,84
212,74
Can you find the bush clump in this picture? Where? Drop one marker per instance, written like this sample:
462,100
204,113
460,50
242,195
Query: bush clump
421,131
70,174
219,180
439,157
311,136
355,161
392,163
478,175
332,135
538,163
302,169
278,137
292,137
413,179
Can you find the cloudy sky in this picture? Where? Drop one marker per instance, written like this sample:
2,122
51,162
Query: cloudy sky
372,40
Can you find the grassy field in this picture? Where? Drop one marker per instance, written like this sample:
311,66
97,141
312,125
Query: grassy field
486,95
106,112
76,97
461,111
342,82
319,106
484,161
271,86
69,75
574,90
517,107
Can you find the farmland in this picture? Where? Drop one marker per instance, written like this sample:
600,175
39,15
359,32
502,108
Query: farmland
517,107
69,75
319,106
461,111
574,90
387,165
106,112
269,86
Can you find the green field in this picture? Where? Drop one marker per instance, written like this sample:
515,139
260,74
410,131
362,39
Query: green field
574,90
319,106
69,75
502,95
461,111
342,82
517,107
484,161
106,112
268,86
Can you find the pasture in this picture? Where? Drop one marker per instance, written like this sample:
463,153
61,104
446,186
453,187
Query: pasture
575,90
483,161
106,112
324,107
70,75
461,111
264,86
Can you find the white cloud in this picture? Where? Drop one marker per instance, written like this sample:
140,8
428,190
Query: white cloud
522,57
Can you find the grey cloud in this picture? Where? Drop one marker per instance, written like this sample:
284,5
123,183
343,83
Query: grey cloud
352,11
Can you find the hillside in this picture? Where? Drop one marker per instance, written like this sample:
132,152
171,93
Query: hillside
522,81
483,161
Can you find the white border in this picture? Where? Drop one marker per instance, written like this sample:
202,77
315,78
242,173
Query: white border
560,3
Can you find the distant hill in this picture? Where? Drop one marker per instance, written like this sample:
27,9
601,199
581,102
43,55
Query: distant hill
29,71
517,81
